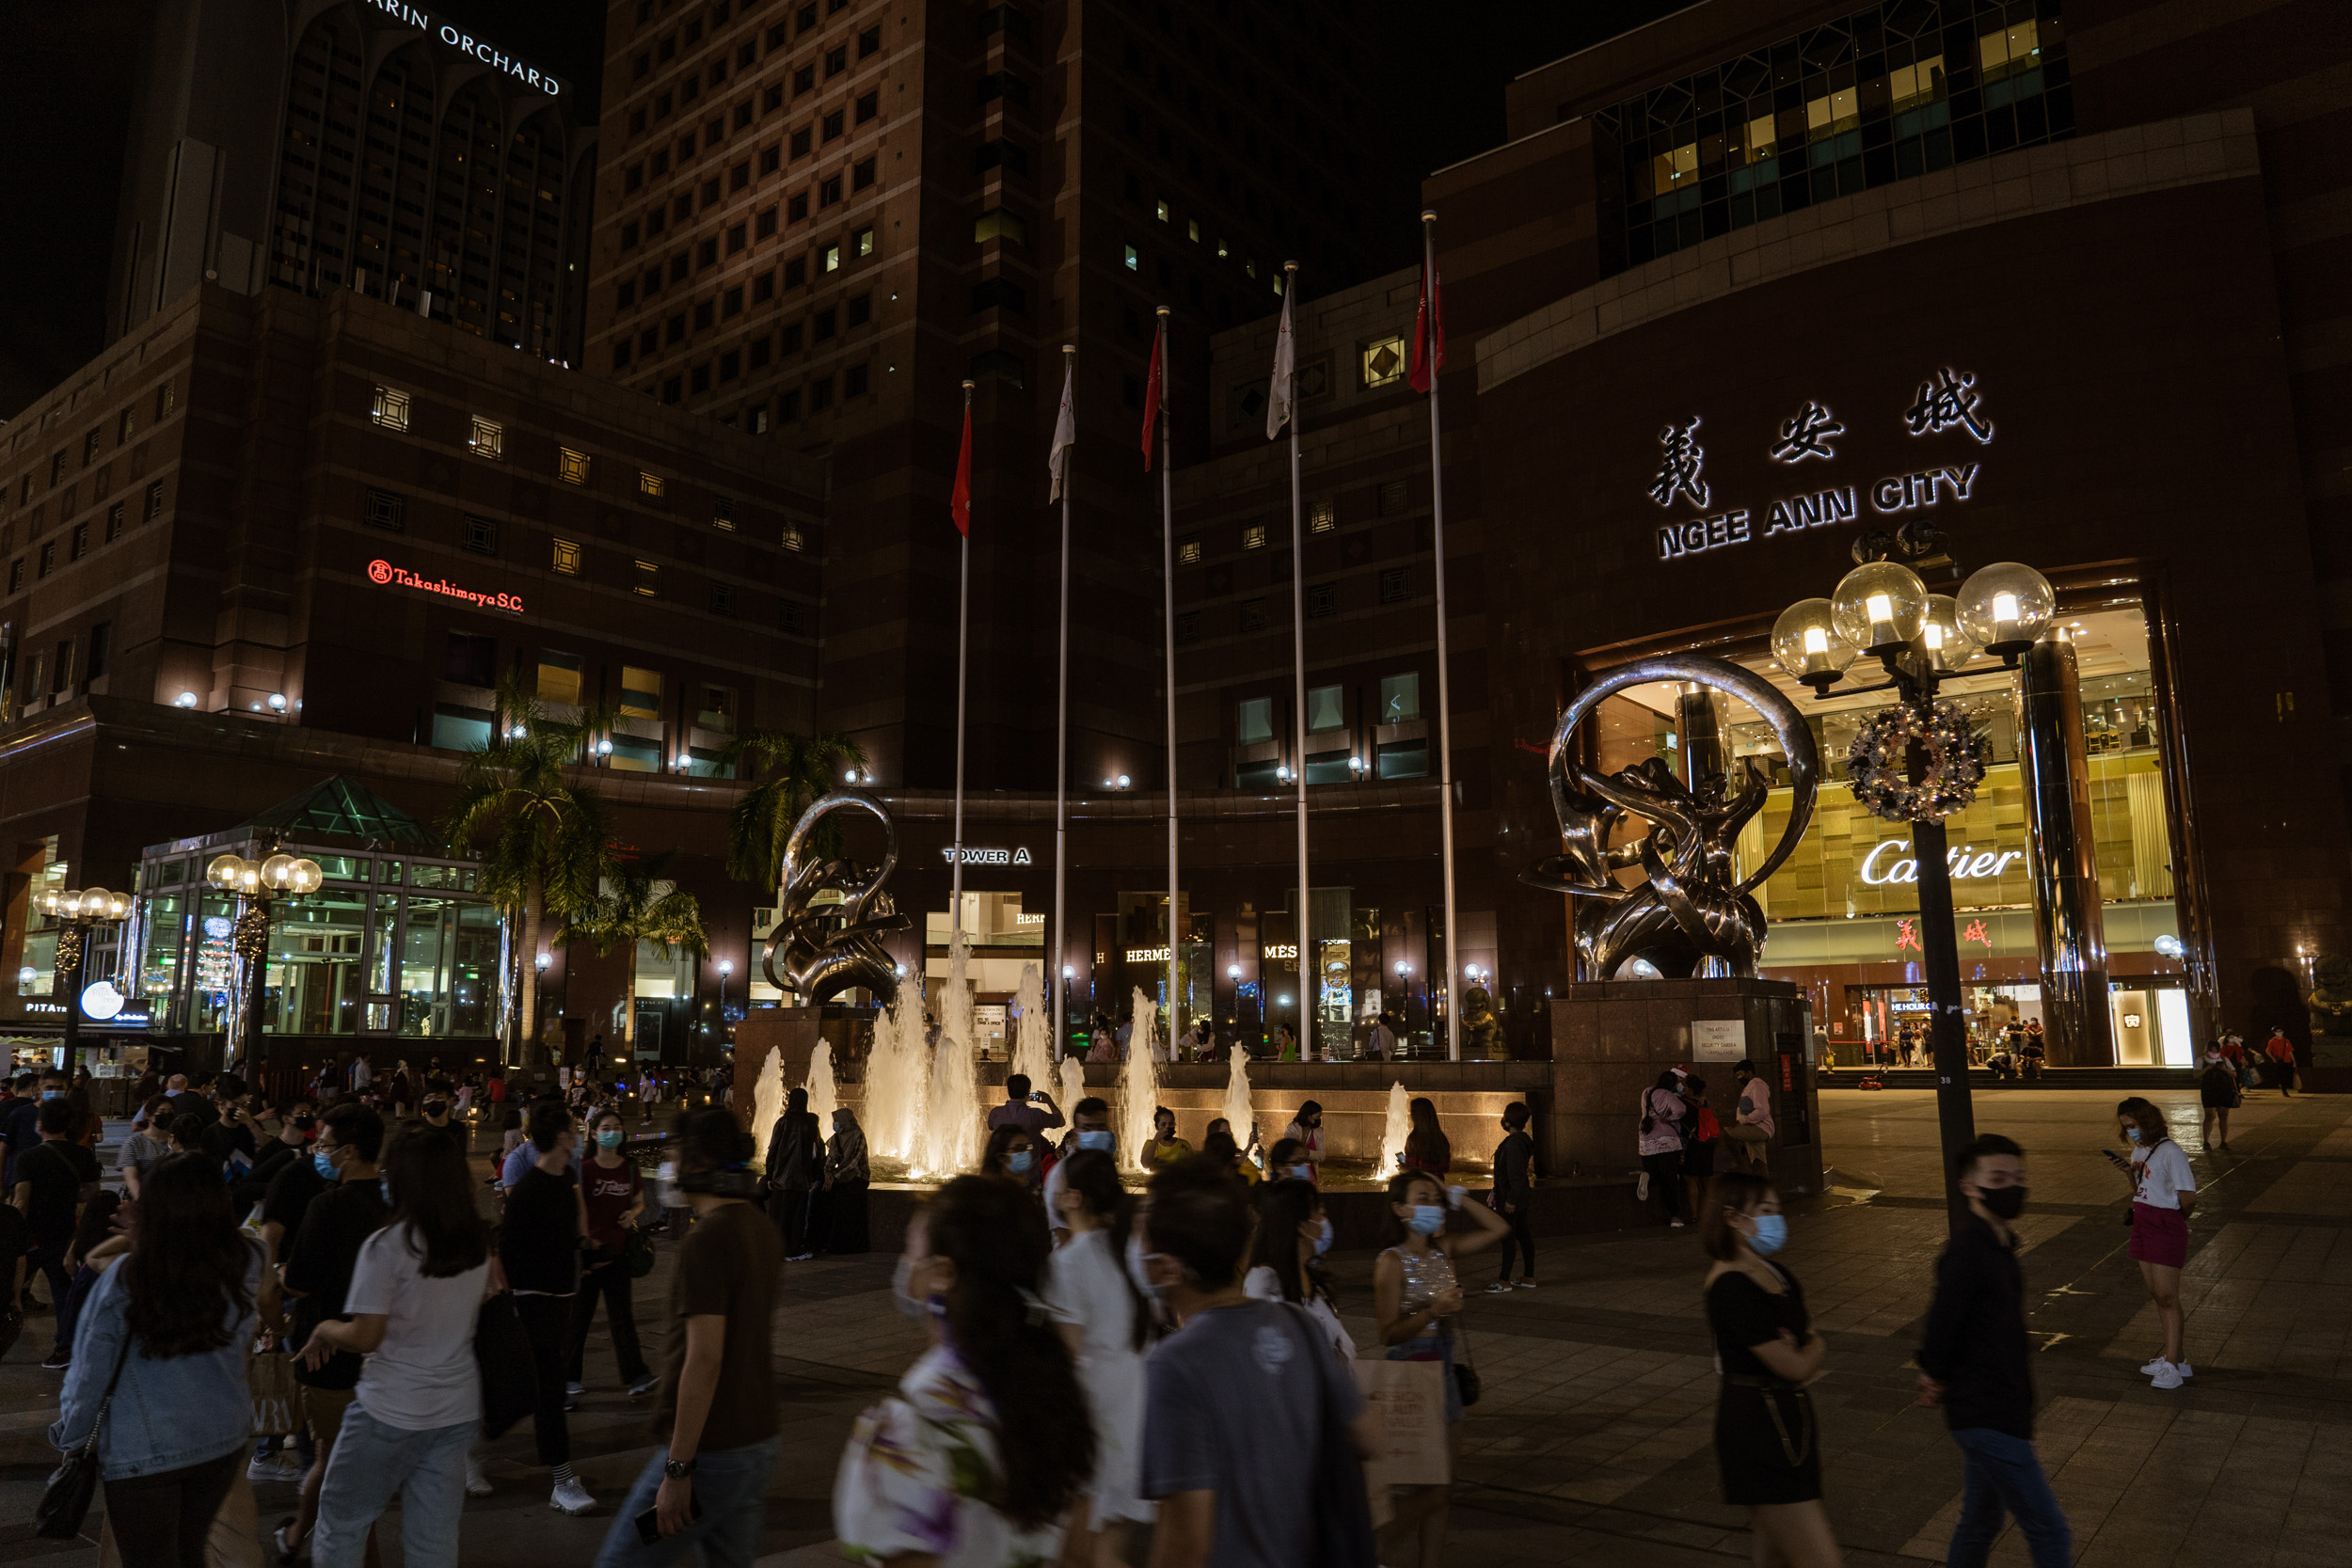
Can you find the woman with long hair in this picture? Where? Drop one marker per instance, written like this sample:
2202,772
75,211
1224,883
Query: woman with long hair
986,1444
2164,1194
413,1298
174,1318
1106,1321
1766,1441
1010,1156
1286,1256
847,1179
1415,1296
1427,1147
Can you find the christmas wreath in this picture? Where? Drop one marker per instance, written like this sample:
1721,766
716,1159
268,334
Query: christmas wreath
1879,764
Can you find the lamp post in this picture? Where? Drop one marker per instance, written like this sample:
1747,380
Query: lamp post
1883,611
76,911
726,967
258,886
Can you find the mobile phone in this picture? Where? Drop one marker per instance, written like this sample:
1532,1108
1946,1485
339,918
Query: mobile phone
649,1522
1036,1097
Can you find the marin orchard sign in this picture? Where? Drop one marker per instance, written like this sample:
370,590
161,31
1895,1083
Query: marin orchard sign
1948,399
466,45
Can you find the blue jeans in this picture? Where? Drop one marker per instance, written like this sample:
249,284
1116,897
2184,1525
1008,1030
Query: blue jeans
2005,1473
371,1461
732,1486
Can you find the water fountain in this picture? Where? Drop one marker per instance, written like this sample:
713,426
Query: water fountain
1237,1112
1139,1084
1033,1046
1392,1136
1074,1085
951,1140
824,1098
767,1100
896,1070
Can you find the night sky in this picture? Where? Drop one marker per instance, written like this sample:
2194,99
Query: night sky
65,94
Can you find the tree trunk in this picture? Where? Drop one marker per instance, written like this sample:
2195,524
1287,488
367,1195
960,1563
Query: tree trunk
628,1006
526,965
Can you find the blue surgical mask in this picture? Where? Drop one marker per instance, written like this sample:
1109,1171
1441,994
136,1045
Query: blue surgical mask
1304,1173
52,1094
324,1165
2132,1132
1428,1219
1019,1164
1098,1138
1771,1234
384,1185
609,1137
1323,1242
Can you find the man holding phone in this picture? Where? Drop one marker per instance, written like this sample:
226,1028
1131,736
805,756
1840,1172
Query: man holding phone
1031,1113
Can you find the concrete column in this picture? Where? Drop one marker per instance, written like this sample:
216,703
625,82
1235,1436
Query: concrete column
2068,923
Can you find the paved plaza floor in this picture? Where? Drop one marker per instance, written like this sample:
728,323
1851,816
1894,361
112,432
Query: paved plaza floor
1592,1444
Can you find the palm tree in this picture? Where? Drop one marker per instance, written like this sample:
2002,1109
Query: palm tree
542,839
635,904
799,768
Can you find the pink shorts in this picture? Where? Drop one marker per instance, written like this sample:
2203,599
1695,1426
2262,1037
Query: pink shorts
2159,1235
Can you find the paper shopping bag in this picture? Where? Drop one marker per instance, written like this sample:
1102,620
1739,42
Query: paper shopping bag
1409,1397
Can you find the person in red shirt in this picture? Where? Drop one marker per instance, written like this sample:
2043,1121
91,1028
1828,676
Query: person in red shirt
2281,1051
614,1195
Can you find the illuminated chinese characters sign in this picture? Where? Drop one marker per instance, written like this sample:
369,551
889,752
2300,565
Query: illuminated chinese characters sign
1948,399
387,574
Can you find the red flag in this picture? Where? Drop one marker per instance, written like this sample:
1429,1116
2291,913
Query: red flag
1151,395
1428,334
959,500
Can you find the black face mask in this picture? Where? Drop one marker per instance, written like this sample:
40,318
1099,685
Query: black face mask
434,1108
303,1124
2006,1203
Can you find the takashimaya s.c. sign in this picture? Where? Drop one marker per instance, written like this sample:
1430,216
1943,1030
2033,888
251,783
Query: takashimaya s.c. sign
385,573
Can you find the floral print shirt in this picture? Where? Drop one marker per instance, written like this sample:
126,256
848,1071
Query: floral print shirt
921,1476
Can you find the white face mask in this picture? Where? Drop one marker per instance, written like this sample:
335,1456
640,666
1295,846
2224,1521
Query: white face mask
1138,1272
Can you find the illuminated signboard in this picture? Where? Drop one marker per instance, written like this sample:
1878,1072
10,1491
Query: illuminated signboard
1967,861
988,857
1159,955
390,576
466,43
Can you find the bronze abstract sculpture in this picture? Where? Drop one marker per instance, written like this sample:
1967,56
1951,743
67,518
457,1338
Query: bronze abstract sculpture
1689,917
817,951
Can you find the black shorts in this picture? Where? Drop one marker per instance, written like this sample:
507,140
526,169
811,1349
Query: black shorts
1698,1158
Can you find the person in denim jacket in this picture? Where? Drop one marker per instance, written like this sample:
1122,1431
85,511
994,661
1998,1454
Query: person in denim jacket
176,1315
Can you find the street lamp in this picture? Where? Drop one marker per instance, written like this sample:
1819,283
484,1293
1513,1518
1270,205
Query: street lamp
1921,640
257,884
726,967
76,911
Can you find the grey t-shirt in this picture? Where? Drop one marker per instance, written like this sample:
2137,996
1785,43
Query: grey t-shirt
1232,1407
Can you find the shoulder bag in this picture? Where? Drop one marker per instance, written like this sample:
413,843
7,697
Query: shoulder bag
637,1251
65,1502
1343,1509
1466,1379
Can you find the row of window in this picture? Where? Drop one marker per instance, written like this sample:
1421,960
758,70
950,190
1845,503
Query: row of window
1326,716
1326,710
856,382
126,424
689,85
1390,499
388,510
1322,599
75,663
763,287
828,192
77,540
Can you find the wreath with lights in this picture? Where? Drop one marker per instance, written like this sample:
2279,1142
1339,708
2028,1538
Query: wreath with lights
1879,763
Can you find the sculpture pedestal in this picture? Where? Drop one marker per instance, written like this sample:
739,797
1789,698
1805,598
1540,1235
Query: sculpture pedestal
791,1033
1611,1038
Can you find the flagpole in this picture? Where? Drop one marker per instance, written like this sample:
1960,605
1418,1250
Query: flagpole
1300,934
963,623
1445,705
1061,760
1167,578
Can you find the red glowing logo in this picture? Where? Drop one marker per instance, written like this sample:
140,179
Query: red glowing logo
399,577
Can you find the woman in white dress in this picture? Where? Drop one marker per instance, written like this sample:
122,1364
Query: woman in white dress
1107,1323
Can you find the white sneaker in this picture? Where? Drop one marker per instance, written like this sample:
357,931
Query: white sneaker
572,1498
574,1389
2158,1365
2166,1375
276,1466
2152,1368
477,1484
1675,1224
1640,1188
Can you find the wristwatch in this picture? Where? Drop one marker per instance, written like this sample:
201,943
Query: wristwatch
677,1469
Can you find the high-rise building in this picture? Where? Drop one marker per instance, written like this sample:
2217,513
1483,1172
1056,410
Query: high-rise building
817,220
355,144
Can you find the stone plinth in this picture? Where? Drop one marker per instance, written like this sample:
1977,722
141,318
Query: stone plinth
764,1031
1611,1038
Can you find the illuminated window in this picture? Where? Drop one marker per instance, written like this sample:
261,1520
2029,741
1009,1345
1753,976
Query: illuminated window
1192,230
1322,516
566,559
559,677
831,261
1253,721
1672,170
1826,117
1905,85
1161,209
722,513
572,466
641,693
2008,52
390,411
792,538
488,438
1188,552
648,579
1326,709
649,485
1135,263
1400,697
1383,360
999,224
1253,536
1762,141
862,243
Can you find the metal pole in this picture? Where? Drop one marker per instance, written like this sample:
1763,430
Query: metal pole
1445,704
1061,770
73,988
1301,933
1168,630
1947,1033
963,624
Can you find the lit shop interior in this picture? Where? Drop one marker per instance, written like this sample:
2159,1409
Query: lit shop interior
1842,910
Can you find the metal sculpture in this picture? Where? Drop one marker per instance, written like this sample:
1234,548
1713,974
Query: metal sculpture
817,951
1688,917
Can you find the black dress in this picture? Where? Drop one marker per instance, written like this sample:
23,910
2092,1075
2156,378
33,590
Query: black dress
1766,1441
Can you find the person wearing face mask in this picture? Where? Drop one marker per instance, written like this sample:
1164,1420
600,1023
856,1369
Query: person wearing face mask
1090,1128
1107,1323
1975,1360
1415,1298
1286,1258
1165,1147
285,1184
795,1164
2164,1194
614,1196
1010,1157
1307,1127
538,1247
847,1179
1513,1195
2216,1086
316,1273
1287,1161
435,1108
1767,1443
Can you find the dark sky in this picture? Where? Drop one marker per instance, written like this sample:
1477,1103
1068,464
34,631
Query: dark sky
67,71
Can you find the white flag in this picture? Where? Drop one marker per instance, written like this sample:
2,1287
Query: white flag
1278,394
1065,431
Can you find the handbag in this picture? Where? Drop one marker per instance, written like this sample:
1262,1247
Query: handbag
1466,1380
637,1251
502,1355
65,1502
270,1380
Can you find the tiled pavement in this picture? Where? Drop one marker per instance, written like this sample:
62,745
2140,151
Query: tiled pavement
1593,1443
